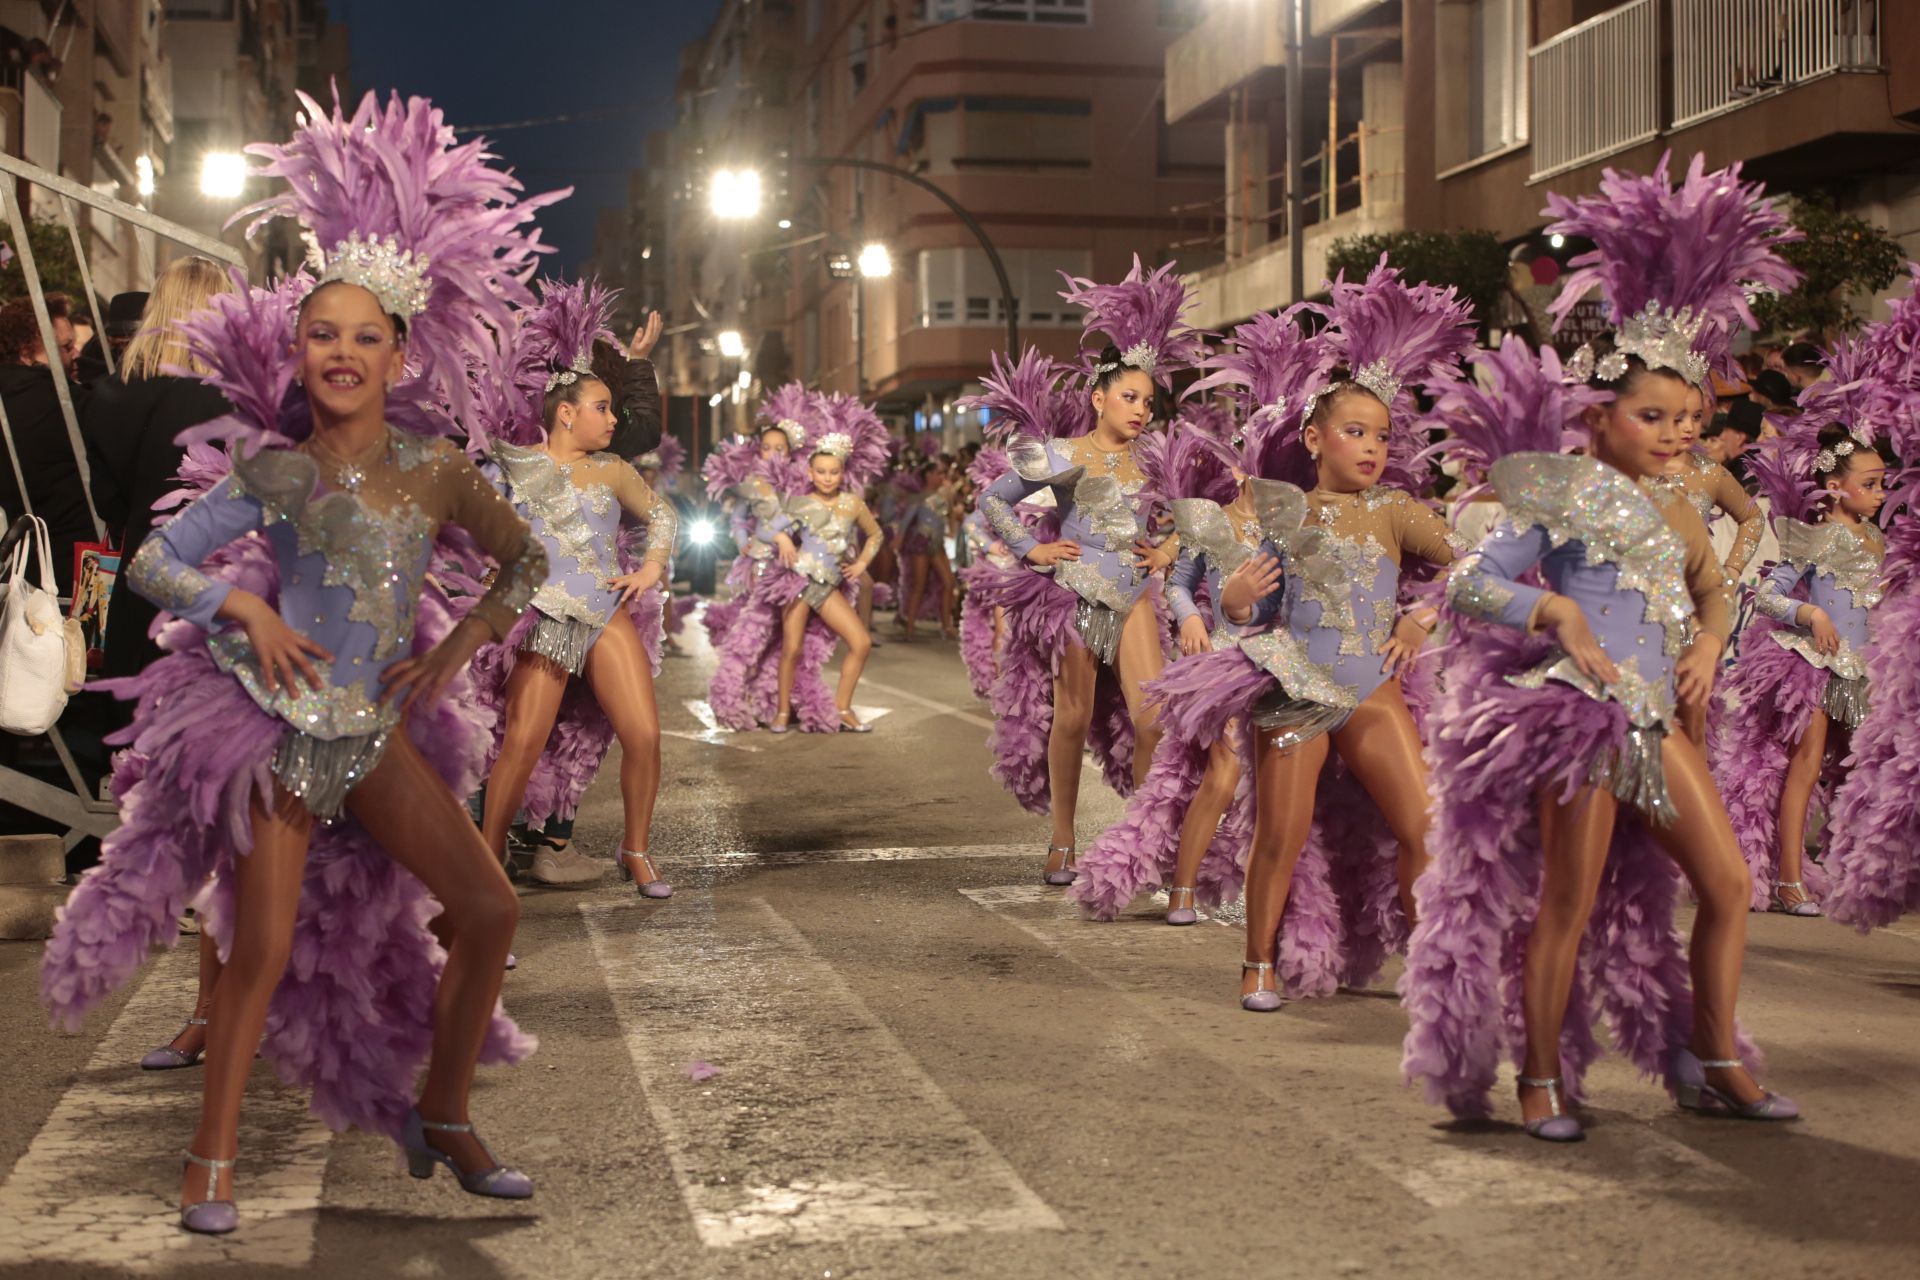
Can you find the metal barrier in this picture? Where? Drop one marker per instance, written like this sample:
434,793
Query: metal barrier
80,812
1727,53
1596,88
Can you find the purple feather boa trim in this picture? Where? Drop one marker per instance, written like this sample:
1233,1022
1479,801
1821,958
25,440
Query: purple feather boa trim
1492,748
1873,855
977,651
352,1018
1762,711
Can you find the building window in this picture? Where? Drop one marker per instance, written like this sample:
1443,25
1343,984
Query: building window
1179,15
1072,13
1483,109
958,287
952,135
1192,148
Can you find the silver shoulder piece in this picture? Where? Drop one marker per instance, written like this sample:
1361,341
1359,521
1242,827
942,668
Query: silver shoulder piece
1282,508
1205,531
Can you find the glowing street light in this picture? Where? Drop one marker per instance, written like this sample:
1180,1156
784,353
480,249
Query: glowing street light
143,175
745,380
875,262
732,346
223,175
735,194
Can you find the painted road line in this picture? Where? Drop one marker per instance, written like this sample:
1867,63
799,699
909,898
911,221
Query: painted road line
1447,1173
119,1127
820,1125
804,857
908,695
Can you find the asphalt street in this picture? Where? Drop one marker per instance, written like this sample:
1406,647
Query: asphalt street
862,1040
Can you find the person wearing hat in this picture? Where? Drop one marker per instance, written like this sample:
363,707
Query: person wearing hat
123,321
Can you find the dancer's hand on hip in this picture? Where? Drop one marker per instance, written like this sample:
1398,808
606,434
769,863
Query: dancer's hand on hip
1826,637
1048,554
1693,674
1576,637
645,578
412,679
282,652
783,548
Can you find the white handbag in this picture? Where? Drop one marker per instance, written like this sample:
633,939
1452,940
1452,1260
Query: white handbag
34,657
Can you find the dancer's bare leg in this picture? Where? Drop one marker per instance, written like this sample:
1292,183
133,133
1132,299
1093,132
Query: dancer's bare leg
1285,779
1381,744
193,1039
1204,812
793,630
622,681
1796,795
1693,722
1574,837
1142,656
534,689
266,902
406,807
846,624
948,590
1702,842
916,593
1066,741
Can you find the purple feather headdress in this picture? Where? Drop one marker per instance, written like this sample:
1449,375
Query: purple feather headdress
794,411
857,436
1030,397
1782,469
987,466
1677,265
669,458
393,203
1520,402
1392,335
550,345
1199,458
1141,317
1269,367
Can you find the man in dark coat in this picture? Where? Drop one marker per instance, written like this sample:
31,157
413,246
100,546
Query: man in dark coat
41,445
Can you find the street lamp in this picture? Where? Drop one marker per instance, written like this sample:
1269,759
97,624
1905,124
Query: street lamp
875,262
731,345
143,175
735,194
223,175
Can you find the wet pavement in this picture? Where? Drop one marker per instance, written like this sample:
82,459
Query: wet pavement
863,1040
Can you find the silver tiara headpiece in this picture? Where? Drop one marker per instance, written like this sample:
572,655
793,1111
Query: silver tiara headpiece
837,443
1828,459
1140,355
1375,377
391,274
582,366
1663,339
649,461
795,433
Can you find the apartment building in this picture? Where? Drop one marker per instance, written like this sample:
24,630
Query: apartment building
1458,114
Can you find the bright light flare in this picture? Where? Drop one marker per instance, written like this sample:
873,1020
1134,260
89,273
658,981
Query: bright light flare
223,175
143,175
735,194
745,379
732,345
875,262
700,533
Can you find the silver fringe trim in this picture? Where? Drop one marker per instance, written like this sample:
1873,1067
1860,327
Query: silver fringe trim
562,640
1099,629
818,593
1293,721
1845,701
321,771
1637,775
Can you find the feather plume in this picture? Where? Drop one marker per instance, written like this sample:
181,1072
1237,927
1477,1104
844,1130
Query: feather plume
1025,397
1141,314
1519,402
1416,332
872,443
1268,368
1782,467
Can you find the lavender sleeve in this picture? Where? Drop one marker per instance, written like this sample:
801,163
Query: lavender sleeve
997,501
1485,583
1185,575
166,569
1774,598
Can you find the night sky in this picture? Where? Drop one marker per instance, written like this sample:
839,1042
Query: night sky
488,61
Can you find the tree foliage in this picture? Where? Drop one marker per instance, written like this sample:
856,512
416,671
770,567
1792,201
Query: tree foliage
1474,262
52,254
1842,256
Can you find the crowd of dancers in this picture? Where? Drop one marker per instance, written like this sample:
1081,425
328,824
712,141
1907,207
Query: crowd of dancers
408,575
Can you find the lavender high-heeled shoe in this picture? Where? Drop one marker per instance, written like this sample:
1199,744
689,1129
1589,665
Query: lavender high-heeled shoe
654,888
1065,873
1688,1075
1263,998
1805,906
498,1181
210,1217
1181,915
1556,1125
168,1058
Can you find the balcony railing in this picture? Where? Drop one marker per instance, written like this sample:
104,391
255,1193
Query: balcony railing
1727,53
1596,88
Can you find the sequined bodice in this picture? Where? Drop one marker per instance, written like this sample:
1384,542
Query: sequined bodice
1096,513
577,518
1837,568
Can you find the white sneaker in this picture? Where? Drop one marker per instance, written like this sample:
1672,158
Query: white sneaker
566,867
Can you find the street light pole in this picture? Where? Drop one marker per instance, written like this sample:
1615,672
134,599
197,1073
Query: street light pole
1007,301
1296,140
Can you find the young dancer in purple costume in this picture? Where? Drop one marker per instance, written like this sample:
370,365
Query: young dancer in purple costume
1872,860
1089,607
820,566
323,704
1558,784
1800,687
921,547
547,445
1322,680
1173,826
983,617
661,468
753,479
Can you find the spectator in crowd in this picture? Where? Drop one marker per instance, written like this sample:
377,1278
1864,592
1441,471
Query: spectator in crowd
1774,392
37,430
1732,433
130,425
1802,365
123,321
